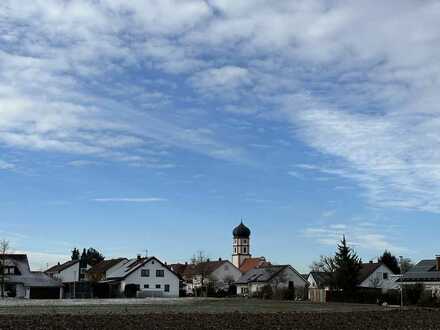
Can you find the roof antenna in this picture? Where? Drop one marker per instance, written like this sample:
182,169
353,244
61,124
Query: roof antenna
146,253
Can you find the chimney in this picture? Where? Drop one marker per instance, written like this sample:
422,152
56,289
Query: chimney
437,263
186,263
138,257
219,259
207,260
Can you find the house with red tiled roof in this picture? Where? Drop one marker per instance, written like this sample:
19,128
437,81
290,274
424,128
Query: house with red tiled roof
251,263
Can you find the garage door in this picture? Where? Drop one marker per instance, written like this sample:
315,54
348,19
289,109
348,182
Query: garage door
45,293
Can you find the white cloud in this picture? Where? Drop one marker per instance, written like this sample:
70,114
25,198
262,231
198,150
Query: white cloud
4,165
131,200
359,82
227,78
369,238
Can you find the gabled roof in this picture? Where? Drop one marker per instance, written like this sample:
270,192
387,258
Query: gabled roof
132,265
60,267
265,274
25,276
206,268
367,269
251,263
105,265
320,278
424,271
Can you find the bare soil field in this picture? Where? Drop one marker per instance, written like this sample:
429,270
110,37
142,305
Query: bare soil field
210,314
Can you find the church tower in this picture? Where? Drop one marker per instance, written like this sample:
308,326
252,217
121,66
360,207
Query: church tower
241,244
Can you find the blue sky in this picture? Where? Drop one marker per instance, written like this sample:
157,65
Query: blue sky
160,124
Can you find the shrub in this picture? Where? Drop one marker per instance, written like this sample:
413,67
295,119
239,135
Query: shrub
266,292
412,293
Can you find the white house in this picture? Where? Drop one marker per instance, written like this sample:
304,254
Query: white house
220,273
144,277
278,277
376,275
317,280
21,282
69,272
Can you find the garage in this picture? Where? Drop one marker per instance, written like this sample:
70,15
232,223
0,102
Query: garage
45,293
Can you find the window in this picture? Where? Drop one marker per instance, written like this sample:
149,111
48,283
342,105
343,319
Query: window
9,270
157,286
245,241
245,250
146,286
235,250
145,272
385,276
160,273
167,288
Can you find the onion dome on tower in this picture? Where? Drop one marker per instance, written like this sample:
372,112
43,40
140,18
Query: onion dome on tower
241,231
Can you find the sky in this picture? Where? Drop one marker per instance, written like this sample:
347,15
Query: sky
159,124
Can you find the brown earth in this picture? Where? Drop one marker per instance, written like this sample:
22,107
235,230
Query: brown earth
392,319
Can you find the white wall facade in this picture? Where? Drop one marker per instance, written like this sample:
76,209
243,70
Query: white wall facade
281,281
227,272
381,278
169,279
312,282
70,274
241,250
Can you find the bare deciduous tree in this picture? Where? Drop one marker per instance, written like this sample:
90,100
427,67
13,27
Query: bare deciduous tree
199,262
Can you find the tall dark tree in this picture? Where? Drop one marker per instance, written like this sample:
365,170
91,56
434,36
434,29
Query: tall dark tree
390,261
93,256
347,267
75,254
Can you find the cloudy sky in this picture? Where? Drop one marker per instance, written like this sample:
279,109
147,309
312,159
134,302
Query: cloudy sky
159,124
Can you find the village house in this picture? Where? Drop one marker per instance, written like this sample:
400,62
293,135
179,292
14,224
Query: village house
219,275
376,275
142,277
72,274
426,272
278,277
371,275
318,280
251,263
69,272
101,270
21,282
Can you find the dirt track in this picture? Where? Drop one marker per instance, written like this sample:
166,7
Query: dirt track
394,319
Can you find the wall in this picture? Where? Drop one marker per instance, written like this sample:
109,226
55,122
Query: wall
20,291
169,278
375,280
312,282
70,274
225,271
